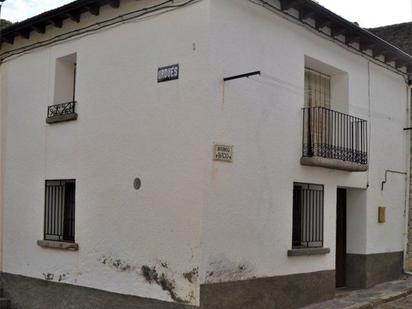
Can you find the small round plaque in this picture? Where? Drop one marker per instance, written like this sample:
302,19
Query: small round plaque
137,183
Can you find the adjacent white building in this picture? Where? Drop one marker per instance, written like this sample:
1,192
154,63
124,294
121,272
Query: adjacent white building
221,154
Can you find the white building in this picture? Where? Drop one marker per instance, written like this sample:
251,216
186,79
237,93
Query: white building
212,153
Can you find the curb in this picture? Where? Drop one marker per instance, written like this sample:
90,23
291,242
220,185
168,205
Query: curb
372,304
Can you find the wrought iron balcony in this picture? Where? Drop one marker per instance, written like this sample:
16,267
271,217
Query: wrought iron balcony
61,112
334,140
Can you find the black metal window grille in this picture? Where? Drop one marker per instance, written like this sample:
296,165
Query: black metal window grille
59,215
307,216
61,109
334,135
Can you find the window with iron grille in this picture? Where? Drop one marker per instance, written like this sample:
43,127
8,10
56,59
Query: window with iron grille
59,212
307,216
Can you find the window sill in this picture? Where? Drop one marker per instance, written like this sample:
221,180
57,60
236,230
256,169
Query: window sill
308,251
71,246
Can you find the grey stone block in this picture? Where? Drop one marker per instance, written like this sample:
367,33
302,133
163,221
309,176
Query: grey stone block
285,292
363,271
30,293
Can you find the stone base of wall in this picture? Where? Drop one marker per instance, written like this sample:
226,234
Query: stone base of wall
292,291
284,292
363,271
30,293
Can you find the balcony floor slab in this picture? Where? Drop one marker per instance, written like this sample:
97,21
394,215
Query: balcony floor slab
334,164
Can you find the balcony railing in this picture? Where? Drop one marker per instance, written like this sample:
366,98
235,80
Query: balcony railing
61,112
340,139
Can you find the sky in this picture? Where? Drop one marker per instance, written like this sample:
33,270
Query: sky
371,13
368,13
18,10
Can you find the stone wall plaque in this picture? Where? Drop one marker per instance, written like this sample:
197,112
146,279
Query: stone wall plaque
223,153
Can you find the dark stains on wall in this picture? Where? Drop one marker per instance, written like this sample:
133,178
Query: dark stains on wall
116,263
222,269
192,275
48,276
62,277
152,276
161,276
54,277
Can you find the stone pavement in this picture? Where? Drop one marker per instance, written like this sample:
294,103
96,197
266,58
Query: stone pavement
404,303
389,295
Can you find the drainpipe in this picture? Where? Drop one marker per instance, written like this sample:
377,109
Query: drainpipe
408,164
1,166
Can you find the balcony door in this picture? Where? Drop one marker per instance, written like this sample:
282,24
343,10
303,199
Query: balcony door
318,102
317,89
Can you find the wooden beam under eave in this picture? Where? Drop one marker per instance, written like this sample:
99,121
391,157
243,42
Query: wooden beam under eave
9,39
322,23
399,63
114,3
306,13
74,16
289,4
40,28
365,45
57,22
336,31
94,9
389,57
377,52
25,33
352,38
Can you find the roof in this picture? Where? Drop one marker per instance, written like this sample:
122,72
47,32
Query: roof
307,9
351,32
399,35
55,17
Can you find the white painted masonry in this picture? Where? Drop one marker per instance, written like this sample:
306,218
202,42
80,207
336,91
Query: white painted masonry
262,117
228,221
129,126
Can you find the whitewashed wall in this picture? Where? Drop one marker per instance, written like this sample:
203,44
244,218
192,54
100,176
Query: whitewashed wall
129,126
230,219
250,201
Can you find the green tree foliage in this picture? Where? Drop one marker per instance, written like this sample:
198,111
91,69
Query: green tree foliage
4,23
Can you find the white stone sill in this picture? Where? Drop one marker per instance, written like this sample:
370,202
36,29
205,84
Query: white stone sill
308,251
70,246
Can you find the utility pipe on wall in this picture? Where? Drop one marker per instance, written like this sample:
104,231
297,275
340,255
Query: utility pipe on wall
408,164
1,173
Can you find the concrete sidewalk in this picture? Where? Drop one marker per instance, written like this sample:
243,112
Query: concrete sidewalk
368,298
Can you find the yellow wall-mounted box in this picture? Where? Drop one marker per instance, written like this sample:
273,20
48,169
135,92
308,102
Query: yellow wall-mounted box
382,215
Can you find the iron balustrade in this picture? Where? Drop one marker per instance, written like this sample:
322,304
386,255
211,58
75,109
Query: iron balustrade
308,216
334,135
61,109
